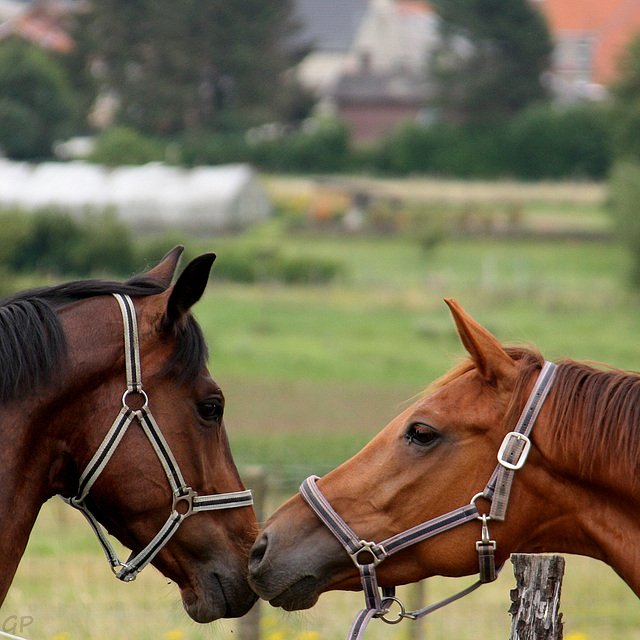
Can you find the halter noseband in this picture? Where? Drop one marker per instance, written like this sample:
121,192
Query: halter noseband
185,501
367,555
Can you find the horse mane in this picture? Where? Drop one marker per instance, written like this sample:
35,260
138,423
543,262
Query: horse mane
603,405
594,408
33,347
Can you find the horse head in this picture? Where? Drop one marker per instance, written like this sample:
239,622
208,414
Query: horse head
165,457
436,460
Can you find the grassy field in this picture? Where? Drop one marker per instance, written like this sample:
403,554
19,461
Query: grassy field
312,373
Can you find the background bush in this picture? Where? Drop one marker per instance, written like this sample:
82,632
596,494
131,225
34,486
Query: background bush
624,196
126,146
543,142
552,142
57,243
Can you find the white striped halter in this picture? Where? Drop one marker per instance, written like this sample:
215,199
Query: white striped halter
185,501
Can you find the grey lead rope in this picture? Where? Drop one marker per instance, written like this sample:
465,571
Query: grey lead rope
185,501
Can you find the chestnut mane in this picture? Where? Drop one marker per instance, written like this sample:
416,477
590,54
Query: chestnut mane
595,412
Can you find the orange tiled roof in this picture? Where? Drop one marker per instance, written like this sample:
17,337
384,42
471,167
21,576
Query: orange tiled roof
610,23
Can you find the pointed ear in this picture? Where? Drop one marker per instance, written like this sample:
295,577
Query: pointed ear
163,273
188,289
486,351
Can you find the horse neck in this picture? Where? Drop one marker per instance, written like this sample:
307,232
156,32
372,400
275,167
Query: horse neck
591,491
36,459
28,468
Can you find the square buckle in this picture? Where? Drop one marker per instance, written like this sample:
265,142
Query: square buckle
183,502
370,548
522,457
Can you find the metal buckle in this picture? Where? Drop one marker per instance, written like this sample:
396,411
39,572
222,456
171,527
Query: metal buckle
186,498
368,547
522,458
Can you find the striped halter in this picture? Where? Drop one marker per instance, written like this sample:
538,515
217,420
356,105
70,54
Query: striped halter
185,501
367,555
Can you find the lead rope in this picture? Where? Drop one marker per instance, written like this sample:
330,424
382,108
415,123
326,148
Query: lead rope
185,501
367,555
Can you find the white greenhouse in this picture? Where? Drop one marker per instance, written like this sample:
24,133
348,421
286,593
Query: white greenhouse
152,196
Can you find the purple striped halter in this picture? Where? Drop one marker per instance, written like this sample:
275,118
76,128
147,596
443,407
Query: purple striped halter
367,555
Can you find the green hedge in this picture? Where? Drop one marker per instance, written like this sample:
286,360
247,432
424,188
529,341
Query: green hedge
55,242
263,264
543,142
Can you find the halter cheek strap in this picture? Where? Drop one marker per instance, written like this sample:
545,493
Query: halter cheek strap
368,555
185,501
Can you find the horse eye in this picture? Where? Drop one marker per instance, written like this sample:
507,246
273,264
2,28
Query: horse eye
422,435
211,410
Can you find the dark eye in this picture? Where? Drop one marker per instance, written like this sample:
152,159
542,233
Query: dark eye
421,435
211,410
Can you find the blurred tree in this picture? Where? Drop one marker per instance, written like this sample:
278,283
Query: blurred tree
36,100
191,64
491,58
624,180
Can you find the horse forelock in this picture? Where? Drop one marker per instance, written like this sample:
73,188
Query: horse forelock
33,347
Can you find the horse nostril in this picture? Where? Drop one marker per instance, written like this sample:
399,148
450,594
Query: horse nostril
258,552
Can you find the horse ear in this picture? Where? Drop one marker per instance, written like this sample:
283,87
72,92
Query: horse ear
163,273
486,351
188,289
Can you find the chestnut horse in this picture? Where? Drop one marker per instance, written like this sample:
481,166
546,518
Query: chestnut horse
428,486
79,355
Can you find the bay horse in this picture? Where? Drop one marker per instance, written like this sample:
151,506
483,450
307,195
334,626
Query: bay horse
77,356
444,489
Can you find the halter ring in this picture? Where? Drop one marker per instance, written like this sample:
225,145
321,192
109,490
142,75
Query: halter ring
401,614
135,392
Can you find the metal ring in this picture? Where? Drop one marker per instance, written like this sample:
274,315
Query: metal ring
141,392
473,500
401,613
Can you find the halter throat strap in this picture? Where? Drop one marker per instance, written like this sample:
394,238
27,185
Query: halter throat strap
184,500
368,555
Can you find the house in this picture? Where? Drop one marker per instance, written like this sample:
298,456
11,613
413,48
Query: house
328,29
589,37
42,23
369,67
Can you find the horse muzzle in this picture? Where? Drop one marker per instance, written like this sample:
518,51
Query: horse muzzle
218,593
293,576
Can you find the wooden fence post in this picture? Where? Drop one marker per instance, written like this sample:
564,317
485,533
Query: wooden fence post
255,479
536,598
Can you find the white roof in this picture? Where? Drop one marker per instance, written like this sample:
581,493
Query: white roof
154,192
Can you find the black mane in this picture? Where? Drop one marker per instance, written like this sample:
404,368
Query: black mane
33,347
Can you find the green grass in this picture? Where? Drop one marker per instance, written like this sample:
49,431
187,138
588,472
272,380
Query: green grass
312,373
296,362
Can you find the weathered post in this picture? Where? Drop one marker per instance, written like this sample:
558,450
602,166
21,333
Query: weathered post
254,479
536,598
